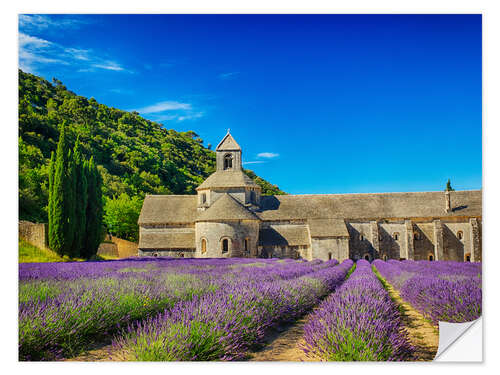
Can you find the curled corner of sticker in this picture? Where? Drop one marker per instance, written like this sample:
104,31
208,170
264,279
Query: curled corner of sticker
451,333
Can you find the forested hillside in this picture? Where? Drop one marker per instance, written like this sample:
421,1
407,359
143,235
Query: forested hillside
135,156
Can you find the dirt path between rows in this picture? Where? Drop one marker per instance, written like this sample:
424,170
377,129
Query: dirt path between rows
284,344
423,335
100,354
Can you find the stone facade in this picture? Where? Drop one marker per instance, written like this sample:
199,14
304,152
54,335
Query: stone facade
35,234
230,218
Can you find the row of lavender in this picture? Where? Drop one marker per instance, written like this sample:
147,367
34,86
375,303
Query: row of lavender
64,307
359,322
225,324
445,290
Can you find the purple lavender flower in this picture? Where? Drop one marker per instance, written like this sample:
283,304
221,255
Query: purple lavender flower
442,290
359,322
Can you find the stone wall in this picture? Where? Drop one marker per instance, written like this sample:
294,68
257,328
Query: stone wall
330,248
418,240
424,243
359,240
118,247
181,253
453,246
125,248
108,249
390,246
35,234
290,252
235,231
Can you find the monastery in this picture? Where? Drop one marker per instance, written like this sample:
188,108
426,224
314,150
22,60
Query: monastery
230,218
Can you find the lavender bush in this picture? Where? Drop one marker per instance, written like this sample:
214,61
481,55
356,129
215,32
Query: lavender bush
63,307
441,290
359,322
224,324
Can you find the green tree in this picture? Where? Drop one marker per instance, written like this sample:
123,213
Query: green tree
448,186
121,214
61,231
71,210
50,209
80,199
93,222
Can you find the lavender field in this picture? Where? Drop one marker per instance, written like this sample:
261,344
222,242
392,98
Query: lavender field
165,309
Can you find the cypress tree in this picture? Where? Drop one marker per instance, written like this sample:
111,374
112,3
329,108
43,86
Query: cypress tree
80,200
99,211
59,206
70,198
51,186
93,227
448,186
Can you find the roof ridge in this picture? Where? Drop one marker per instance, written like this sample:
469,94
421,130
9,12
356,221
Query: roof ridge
170,195
380,193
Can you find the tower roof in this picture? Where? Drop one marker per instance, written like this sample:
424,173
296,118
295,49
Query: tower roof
227,179
228,144
226,208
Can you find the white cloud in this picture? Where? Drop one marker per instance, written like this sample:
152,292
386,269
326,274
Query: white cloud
267,155
170,111
254,162
109,65
78,53
228,75
164,106
190,116
38,22
35,52
33,42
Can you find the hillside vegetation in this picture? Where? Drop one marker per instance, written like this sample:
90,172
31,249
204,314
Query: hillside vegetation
134,156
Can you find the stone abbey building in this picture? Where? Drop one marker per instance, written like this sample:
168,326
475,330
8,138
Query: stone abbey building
230,218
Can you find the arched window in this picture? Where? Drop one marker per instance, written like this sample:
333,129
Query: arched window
225,245
228,161
431,257
203,246
395,235
460,234
467,257
361,238
329,256
246,244
385,257
367,257
203,198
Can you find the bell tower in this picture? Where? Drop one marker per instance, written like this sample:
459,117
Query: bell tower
228,178
228,154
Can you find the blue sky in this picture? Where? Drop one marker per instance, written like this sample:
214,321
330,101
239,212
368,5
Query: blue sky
319,103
